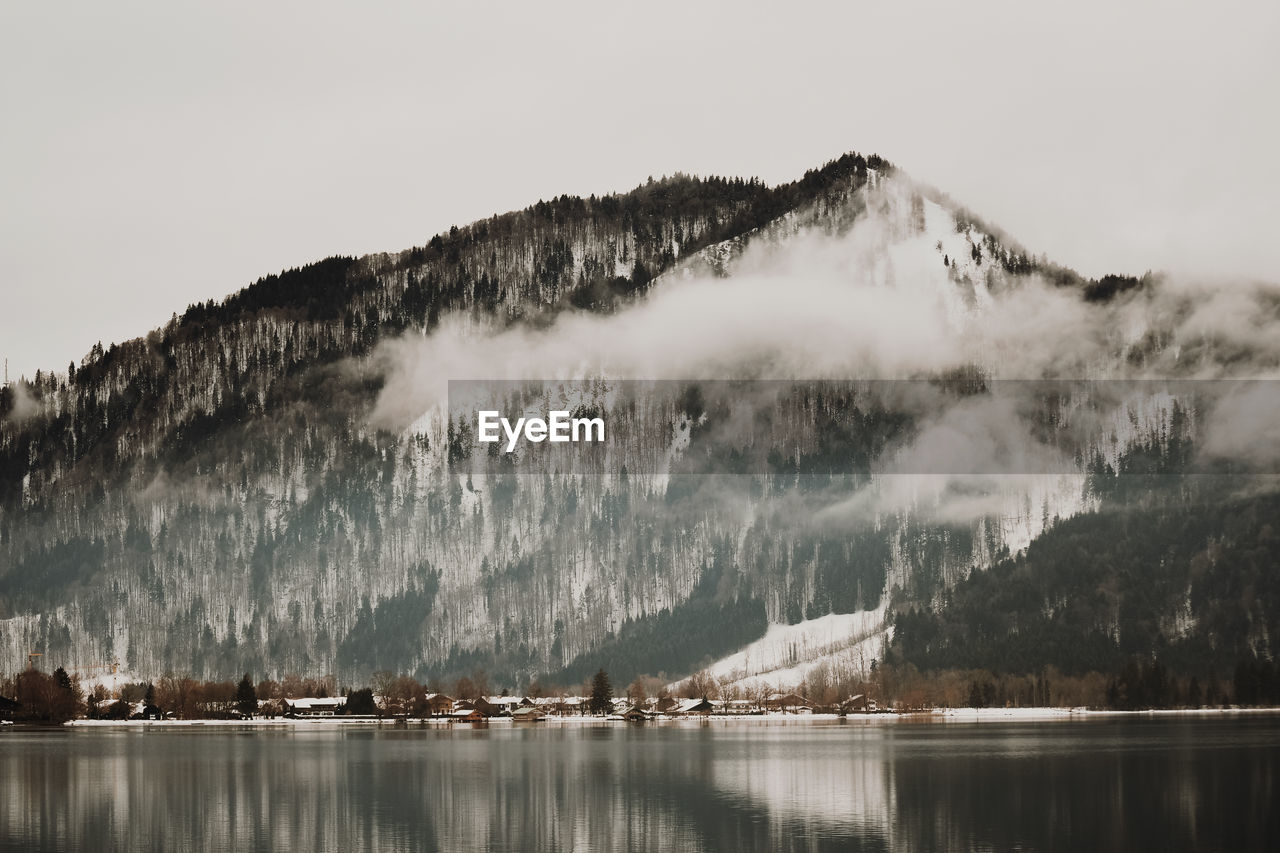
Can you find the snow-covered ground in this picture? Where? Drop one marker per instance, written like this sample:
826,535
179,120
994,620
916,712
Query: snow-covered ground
786,653
112,682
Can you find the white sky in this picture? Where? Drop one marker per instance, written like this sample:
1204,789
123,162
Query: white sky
156,154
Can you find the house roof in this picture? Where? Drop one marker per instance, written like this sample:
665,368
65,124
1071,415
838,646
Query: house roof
317,704
788,698
693,705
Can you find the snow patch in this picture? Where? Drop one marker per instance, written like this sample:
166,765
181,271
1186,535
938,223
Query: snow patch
786,653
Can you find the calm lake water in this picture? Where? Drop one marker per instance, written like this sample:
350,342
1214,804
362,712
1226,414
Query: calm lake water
1101,784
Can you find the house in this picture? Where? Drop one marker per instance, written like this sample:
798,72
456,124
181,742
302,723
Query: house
504,705
787,702
527,715
467,715
563,705
694,706
438,704
479,705
857,703
636,714
8,708
314,707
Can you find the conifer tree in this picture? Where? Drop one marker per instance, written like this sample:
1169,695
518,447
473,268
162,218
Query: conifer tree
601,693
246,697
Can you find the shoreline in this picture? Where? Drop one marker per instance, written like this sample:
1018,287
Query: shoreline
945,715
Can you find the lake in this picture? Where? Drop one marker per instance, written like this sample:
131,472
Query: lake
1112,783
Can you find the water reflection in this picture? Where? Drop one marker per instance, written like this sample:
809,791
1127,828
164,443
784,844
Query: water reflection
1110,784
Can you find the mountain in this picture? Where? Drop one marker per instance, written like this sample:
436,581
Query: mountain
284,481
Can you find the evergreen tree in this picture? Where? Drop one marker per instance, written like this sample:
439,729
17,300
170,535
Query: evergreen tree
360,702
601,699
246,697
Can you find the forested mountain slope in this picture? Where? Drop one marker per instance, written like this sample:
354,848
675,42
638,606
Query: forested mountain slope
271,483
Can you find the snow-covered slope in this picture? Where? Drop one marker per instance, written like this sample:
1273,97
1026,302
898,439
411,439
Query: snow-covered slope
845,642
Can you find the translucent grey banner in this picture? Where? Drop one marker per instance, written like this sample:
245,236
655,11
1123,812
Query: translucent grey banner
963,425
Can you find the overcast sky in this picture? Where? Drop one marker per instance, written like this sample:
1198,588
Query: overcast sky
155,154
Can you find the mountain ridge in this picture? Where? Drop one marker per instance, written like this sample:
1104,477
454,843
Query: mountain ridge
218,496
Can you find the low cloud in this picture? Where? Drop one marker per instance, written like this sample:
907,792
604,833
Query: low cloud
965,462
876,302
1244,427
23,404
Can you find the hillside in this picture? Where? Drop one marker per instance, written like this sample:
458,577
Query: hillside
275,482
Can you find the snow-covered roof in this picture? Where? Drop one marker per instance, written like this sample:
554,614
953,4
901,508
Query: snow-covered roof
317,704
691,704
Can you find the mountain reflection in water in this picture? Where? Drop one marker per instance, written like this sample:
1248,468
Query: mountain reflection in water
1102,784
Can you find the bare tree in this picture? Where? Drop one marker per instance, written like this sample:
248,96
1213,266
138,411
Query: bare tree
636,691
700,685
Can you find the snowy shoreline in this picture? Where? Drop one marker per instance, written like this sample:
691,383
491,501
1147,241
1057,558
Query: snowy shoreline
938,714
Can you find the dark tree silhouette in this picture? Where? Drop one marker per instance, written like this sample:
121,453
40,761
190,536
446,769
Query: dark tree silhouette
246,697
361,702
601,700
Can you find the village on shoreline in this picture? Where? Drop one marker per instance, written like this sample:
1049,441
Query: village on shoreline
943,715
440,711
114,698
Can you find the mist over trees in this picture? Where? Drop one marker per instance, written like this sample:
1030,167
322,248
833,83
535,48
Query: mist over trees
183,489
213,498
